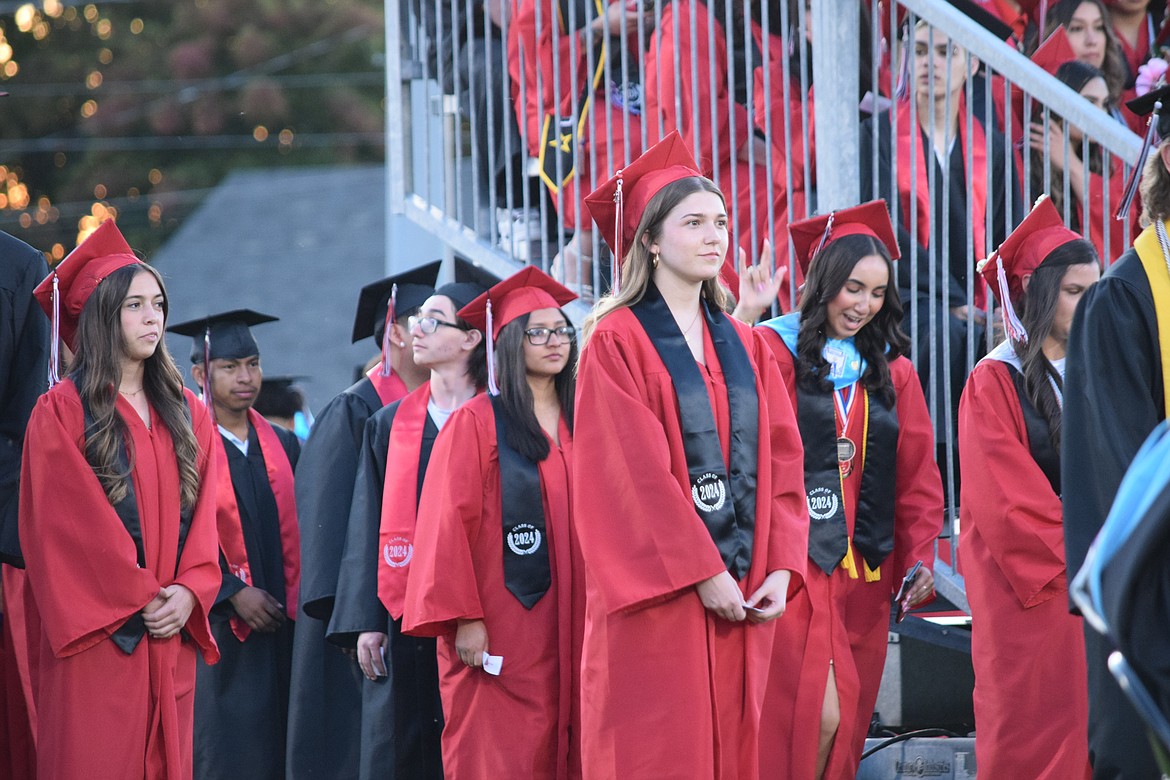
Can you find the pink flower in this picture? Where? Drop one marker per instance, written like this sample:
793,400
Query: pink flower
1151,76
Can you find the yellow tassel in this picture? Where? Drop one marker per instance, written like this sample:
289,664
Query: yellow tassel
848,563
871,575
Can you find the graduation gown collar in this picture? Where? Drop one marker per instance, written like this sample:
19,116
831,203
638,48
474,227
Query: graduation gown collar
227,516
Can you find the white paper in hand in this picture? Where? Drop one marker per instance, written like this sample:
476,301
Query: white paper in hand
492,663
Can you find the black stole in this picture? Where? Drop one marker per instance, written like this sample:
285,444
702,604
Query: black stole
1039,435
526,569
731,524
873,528
130,633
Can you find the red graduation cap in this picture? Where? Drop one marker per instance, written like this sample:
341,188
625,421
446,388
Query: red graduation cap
1055,51
524,292
1021,254
810,236
65,291
617,205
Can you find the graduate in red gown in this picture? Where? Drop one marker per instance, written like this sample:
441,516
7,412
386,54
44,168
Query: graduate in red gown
123,564
687,89
496,568
325,717
1024,643
402,716
687,491
874,494
1064,142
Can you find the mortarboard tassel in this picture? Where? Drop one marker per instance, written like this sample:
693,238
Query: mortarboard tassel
615,262
491,352
207,373
1042,14
1011,322
824,237
902,88
55,346
1131,186
391,305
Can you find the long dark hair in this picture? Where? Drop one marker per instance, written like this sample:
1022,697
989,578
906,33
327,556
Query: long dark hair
1060,14
1075,74
97,373
1037,309
879,342
477,362
524,432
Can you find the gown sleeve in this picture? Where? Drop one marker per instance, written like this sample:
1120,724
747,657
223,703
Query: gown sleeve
1004,492
199,567
641,538
918,497
442,586
357,608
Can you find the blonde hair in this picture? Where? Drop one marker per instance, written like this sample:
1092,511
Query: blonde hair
637,268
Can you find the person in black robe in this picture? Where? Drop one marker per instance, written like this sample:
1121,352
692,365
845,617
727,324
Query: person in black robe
24,352
1114,396
241,703
946,316
402,717
324,718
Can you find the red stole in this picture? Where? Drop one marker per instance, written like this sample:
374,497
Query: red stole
400,500
976,179
389,388
231,533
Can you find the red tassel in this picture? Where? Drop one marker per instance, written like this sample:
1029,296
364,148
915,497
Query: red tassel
207,374
55,347
491,352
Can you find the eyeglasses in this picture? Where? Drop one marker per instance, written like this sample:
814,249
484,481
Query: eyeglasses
538,337
430,324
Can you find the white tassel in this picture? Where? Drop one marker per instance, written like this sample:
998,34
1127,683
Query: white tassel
491,353
55,347
1011,322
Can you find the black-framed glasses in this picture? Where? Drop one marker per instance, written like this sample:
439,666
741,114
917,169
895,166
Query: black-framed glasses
430,324
538,337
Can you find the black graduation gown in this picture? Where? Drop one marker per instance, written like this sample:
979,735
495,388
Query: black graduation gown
950,283
241,703
24,353
402,714
325,698
1113,398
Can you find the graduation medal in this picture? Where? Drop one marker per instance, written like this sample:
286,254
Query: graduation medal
846,449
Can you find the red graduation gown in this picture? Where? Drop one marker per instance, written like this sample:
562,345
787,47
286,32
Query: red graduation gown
845,620
1028,651
669,690
702,100
517,724
100,712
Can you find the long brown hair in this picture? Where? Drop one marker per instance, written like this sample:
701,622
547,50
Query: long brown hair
637,268
97,373
879,342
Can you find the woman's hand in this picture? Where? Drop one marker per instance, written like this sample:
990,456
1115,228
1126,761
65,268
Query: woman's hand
921,589
1058,146
371,654
167,619
758,285
258,608
721,594
471,642
771,598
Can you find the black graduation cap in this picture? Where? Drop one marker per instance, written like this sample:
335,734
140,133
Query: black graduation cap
228,333
1144,105
414,287
1156,104
279,397
471,281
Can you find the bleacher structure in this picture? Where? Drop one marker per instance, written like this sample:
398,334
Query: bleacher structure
451,110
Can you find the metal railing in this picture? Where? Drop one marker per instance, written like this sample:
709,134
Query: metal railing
503,114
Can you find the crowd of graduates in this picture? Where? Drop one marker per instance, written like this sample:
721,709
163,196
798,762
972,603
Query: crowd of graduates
666,541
